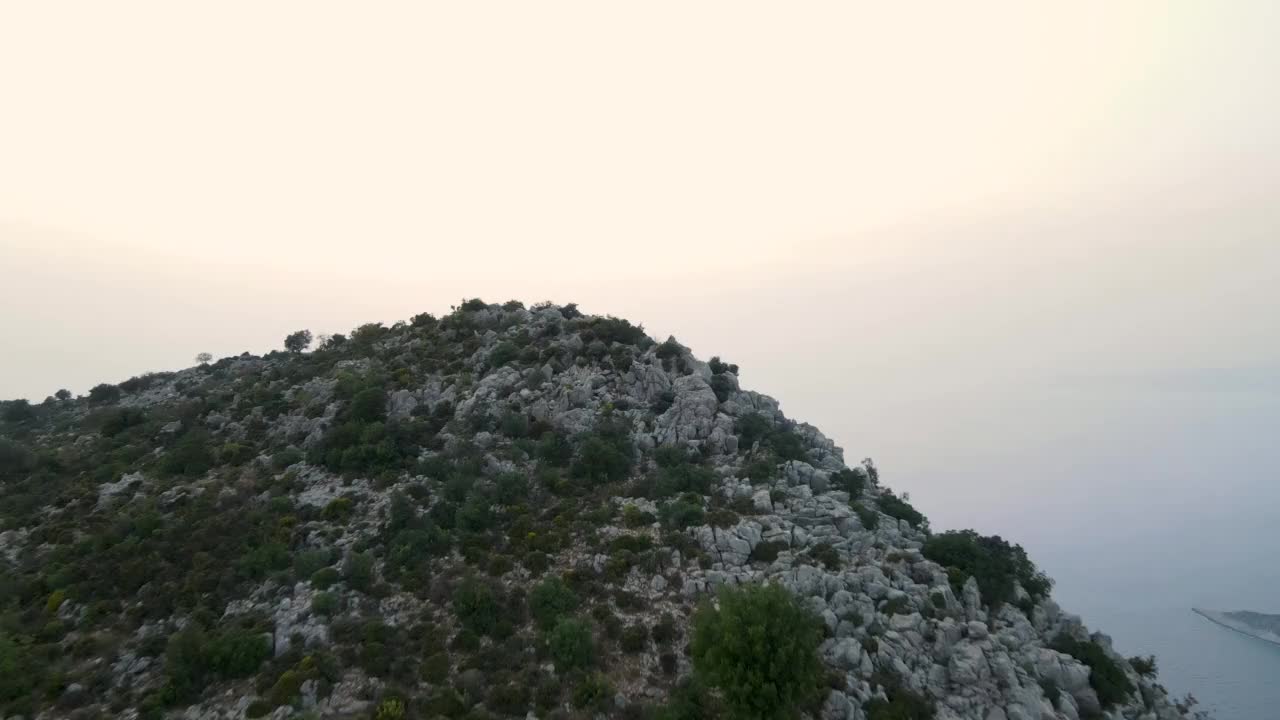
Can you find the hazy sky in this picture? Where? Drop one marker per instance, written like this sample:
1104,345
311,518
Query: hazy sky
1025,255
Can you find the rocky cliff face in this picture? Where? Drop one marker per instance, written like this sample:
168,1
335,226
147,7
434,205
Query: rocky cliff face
377,528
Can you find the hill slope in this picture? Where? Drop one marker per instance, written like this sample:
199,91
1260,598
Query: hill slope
502,512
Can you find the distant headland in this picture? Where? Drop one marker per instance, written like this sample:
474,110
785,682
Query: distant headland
1258,625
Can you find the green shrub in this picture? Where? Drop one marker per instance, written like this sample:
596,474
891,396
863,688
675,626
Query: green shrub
995,564
826,555
324,603
722,386
15,459
436,668
325,578
767,551
634,517
237,653
104,394
503,353
357,571
189,456
509,699
899,508
571,645
604,455
1144,666
896,606
550,600
850,481
718,367
338,509
117,420
759,647
683,477
682,513
750,428
286,457
514,425
367,406
788,445
634,638
689,701
611,330
554,449
1106,677
390,709
476,606
869,518
18,676
298,341
665,631
902,704
594,692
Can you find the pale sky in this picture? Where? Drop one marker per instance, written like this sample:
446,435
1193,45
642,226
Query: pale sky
916,226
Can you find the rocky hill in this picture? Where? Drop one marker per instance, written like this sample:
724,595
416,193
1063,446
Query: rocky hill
505,512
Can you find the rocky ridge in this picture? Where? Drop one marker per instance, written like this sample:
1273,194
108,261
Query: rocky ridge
501,446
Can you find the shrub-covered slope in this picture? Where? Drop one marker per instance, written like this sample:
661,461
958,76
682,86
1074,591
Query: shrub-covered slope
505,512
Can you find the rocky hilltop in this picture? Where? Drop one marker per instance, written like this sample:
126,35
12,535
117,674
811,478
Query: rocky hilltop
1258,625
504,512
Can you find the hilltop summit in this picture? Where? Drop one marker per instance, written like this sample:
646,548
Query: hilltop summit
504,512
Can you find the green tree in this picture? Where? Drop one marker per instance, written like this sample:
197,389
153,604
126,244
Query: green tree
298,341
103,394
759,647
18,411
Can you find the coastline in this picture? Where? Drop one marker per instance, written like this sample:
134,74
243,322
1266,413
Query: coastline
1221,619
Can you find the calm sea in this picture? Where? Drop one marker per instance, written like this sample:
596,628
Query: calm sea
1234,676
